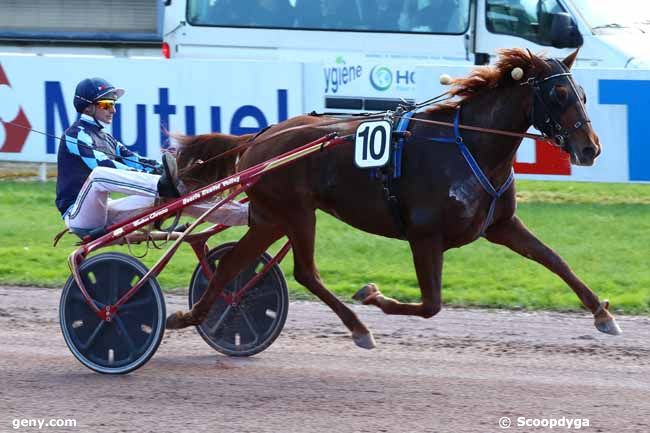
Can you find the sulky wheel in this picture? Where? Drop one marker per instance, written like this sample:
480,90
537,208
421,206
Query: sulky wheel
131,338
249,326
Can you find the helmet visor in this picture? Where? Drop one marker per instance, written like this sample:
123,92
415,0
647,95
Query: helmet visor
111,93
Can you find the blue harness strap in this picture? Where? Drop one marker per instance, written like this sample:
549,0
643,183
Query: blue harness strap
476,169
402,126
397,148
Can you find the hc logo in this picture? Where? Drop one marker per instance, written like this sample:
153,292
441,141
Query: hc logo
14,125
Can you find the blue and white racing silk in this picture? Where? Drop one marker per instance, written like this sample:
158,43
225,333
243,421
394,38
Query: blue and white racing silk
85,146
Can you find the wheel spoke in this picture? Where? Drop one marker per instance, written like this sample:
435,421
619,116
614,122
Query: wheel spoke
221,320
133,351
93,336
250,326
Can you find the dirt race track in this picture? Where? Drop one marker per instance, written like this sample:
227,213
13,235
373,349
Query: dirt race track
458,372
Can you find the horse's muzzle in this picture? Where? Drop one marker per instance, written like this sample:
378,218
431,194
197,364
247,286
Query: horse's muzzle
585,156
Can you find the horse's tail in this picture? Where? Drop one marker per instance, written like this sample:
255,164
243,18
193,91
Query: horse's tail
197,156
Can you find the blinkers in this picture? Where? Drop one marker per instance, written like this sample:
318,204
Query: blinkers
551,101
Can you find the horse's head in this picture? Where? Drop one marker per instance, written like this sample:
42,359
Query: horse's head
559,111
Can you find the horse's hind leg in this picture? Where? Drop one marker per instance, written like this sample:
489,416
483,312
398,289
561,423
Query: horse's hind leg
302,236
256,240
427,257
516,236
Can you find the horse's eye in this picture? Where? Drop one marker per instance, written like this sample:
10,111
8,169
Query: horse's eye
559,95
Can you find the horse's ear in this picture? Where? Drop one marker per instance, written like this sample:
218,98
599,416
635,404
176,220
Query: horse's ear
571,58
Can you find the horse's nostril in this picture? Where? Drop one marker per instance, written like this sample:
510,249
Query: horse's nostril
589,153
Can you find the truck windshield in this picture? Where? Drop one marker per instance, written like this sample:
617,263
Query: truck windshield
606,14
405,16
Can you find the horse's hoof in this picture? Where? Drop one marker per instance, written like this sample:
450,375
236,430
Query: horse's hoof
366,291
176,321
609,327
604,321
365,341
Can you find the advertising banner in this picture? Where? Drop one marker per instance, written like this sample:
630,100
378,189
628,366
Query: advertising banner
190,97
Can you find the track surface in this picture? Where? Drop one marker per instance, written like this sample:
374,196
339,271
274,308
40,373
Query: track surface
458,372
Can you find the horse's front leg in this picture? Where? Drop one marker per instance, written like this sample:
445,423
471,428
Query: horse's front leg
301,232
515,235
427,256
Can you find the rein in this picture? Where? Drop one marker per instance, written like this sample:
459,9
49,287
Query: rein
344,119
480,129
85,146
253,141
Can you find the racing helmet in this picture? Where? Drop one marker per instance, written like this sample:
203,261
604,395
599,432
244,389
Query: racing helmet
90,90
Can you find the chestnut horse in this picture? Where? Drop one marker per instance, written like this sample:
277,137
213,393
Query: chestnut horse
443,202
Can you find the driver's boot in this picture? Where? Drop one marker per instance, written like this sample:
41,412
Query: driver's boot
169,185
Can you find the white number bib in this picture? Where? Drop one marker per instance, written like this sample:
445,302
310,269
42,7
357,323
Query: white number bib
372,144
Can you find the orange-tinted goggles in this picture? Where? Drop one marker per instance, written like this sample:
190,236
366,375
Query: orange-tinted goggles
105,104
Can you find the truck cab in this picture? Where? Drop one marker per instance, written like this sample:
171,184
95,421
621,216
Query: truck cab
610,34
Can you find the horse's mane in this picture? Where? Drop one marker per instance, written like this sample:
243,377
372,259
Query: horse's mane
196,154
493,76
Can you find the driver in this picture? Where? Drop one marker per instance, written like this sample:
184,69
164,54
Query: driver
92,164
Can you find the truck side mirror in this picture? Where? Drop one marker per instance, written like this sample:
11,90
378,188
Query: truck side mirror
564,31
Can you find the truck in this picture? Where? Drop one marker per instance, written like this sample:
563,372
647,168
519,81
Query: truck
609,34
369,50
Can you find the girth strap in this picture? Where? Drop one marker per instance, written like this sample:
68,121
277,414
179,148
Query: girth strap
391,174
391,182
402,126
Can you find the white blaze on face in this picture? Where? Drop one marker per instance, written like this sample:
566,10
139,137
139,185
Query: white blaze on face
3,134
9,106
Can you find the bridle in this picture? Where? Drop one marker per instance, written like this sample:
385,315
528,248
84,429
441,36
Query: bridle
547,106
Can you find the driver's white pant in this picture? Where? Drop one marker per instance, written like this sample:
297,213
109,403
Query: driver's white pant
231,214
94,208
